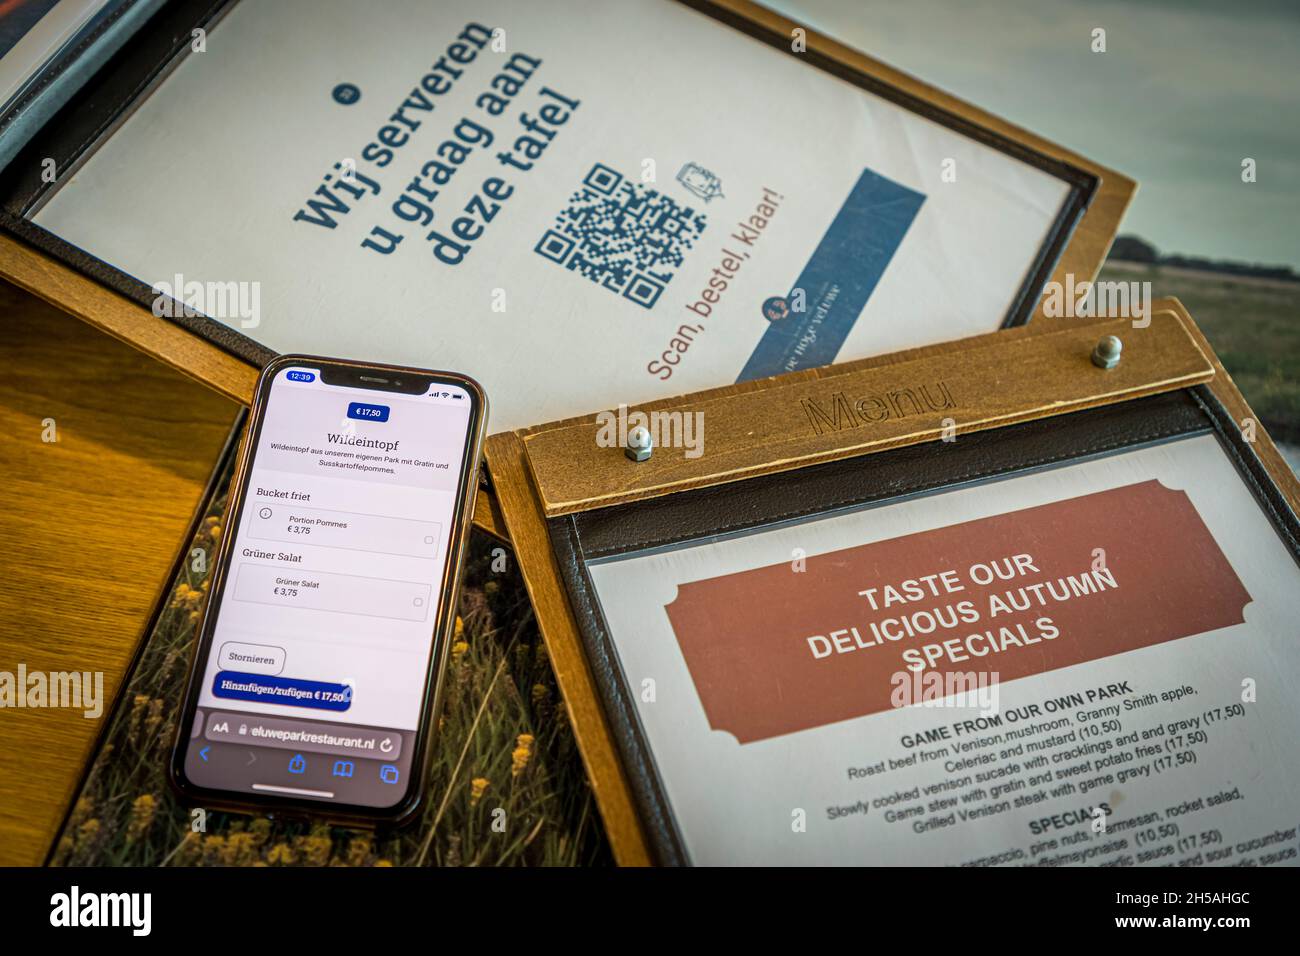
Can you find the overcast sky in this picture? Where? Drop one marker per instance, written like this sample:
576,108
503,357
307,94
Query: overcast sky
1185,90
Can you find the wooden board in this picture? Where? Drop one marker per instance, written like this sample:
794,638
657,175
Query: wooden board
818,415
92,525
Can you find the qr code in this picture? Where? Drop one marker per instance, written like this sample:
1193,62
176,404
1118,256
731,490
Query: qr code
623,235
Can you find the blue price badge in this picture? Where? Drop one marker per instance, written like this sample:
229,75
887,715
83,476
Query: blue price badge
368,413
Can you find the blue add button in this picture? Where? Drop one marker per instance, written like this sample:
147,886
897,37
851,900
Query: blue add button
293,691
368,413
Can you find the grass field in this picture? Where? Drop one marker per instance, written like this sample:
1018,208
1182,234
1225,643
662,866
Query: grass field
1253,324
507,784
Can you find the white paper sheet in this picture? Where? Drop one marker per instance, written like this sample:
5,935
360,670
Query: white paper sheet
734,802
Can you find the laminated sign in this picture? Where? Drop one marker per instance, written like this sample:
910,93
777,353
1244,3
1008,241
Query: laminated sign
984,603
581,203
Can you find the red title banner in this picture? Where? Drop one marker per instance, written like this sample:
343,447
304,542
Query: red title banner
818,640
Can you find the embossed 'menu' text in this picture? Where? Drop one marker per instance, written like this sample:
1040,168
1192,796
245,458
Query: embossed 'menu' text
843,411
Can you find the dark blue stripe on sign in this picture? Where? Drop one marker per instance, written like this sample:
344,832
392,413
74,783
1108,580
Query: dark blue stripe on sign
837,281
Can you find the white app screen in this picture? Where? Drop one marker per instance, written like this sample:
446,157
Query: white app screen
317,668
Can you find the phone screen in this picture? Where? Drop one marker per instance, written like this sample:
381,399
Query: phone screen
318,646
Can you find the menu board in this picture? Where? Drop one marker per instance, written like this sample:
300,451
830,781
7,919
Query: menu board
1084,664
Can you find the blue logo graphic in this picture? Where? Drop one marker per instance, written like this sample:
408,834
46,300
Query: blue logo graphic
776,308
388,773
345,94
298,764
807,326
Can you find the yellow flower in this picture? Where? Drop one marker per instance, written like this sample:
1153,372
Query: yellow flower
191,849
241,849
540,693
214,849
141,816
476,788
358,850
460,628
315,849
88,831
83,808
519,758
280,854
458,650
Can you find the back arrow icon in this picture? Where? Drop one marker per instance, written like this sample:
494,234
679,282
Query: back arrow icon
203,752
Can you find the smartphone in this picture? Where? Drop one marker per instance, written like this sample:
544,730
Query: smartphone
318,666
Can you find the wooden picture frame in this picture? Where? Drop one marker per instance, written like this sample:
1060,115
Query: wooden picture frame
1019,378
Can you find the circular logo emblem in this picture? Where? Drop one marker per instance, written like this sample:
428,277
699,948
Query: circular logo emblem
346,94
776,308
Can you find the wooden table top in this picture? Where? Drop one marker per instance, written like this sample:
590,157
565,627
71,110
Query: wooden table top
90,526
